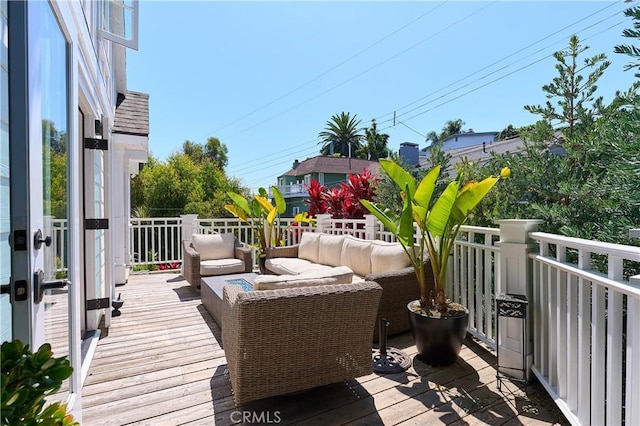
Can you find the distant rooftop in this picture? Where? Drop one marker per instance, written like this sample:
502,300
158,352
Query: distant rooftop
329,164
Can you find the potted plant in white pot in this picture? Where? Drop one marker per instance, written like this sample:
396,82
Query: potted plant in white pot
437,324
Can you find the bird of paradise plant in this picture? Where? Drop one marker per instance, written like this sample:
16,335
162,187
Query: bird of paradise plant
264,217
438,223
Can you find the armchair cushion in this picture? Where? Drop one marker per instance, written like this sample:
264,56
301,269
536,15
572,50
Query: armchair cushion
214,246
221,267
335,275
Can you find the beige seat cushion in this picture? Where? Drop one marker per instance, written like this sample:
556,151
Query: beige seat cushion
388,257
335,275
356,254
308,246
221,267
330,249
213,246
289,265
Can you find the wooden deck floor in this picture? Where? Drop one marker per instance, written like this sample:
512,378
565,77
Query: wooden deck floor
161,363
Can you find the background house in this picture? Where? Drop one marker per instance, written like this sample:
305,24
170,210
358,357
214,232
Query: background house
327,170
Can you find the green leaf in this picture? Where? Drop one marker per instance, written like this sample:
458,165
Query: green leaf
281,204
240,201
400,176
441,210
426,187
470,196
381,216
236,211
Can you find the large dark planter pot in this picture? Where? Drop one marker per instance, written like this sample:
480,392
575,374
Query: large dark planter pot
438,340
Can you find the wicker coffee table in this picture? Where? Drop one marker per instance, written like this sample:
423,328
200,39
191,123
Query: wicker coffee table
212,288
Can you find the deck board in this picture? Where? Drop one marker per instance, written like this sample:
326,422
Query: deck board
161,363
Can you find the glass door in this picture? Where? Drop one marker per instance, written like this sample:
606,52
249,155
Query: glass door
49,135
5,223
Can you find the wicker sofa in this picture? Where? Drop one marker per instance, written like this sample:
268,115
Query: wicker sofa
371,260
287,340
213,254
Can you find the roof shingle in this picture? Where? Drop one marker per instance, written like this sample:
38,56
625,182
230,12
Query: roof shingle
132,115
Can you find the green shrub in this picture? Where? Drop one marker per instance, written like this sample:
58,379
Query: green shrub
27,378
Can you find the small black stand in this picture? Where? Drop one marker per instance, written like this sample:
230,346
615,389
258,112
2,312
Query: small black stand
116,304
511,306
388,360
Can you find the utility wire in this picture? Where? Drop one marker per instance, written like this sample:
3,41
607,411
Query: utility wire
319,76
468,92
494,80
500,60
361,73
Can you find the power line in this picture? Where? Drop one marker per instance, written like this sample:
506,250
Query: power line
494,80
500,60
361,73
391,34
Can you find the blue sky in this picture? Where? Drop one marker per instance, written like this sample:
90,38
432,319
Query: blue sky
264,77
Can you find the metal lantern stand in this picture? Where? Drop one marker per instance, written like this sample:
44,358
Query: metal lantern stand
388,360
511,306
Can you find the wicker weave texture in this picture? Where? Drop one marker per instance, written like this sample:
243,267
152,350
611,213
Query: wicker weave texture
282,341
191,261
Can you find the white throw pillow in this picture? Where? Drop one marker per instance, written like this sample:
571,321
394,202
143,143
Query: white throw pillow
308,247
330,249
387,257
356,254
213,246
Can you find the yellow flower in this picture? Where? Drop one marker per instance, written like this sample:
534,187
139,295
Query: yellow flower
505,172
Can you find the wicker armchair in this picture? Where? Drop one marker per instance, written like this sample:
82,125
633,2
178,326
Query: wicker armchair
282,341
193,270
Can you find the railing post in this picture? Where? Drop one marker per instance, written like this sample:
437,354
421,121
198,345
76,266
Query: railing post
322,222
189,227
515,276
370,227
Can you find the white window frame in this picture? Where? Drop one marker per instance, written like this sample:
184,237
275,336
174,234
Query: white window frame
295,210
107,22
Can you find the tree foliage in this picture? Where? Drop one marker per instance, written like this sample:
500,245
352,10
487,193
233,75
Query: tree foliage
582,181
375,147
451,127
190,182
342,135
573,90
630,50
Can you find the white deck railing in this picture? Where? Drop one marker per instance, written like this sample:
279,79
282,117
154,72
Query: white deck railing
586,338
587,329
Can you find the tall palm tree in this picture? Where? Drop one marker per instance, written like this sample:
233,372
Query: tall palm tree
342,135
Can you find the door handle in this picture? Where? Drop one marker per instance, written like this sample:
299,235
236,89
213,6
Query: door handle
5,289
40,285
37,240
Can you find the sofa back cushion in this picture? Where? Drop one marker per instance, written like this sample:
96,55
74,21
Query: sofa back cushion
330,249
335,275
308,247
213,246
356,254
388,257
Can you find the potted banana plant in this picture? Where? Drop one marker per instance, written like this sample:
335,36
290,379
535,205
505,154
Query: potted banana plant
438,325
264,218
